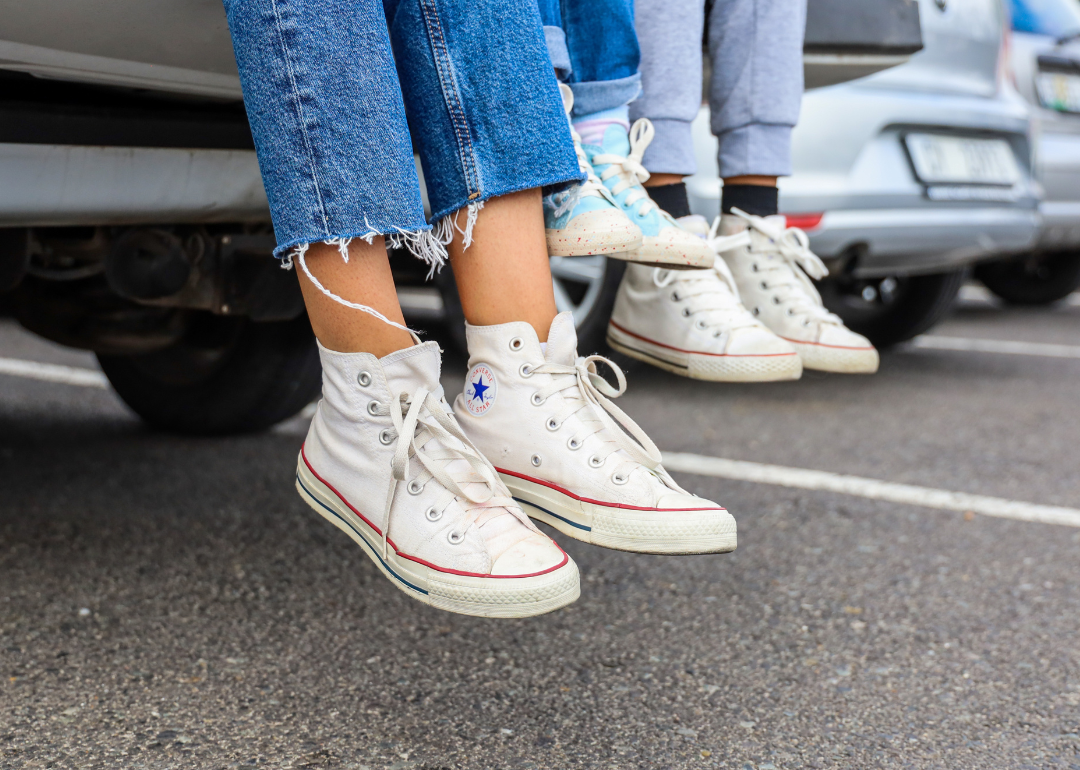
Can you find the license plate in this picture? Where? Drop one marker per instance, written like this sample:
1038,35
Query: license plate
1058,91
940,159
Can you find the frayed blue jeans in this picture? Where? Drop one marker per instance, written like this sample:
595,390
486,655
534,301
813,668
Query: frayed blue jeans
338,93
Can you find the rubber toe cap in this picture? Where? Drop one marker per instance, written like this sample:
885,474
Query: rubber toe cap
535,553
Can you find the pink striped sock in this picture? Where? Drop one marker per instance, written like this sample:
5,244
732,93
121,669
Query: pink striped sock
591,128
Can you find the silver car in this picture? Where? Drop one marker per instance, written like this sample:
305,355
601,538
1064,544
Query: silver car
905,177
1045,68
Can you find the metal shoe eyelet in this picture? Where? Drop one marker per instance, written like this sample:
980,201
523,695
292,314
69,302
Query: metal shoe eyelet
717,334
619,479
415,488
553,424
757,311
700,325
536,400
754,267
776,300
791,311
536,460
433,514
373,408
674,296
686,312
517,344
455,538
526,371
573,444
363,379
806,322
595,461
764,285
386,437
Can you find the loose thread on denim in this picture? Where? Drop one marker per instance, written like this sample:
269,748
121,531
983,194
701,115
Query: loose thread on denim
445,228
299,253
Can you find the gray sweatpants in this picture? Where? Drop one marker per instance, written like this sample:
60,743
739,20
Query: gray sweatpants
755,47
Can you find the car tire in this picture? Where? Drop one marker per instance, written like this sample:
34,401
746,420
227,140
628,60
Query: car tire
890,310
1034,279
584,285
226,375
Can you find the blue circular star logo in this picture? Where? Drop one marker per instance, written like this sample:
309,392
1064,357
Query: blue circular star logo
480,389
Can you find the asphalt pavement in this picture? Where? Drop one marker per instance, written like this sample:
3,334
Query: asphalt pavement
171,602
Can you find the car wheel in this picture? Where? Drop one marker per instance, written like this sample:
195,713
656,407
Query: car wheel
586,286
892,309
1034,279
225,375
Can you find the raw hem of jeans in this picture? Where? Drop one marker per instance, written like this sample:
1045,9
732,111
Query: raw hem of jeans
421,242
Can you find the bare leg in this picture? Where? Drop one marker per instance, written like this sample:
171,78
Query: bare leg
504,275
752,179
366,280
659,180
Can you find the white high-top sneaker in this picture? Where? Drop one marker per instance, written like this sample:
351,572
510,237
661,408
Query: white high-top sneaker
571,457
691,322
386,463
773,275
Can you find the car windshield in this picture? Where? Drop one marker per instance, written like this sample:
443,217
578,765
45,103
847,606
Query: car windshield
1056,18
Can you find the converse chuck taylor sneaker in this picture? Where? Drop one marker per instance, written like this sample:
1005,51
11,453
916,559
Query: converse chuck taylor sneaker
773,273
568,455
691,322
585,219
385,462
618,164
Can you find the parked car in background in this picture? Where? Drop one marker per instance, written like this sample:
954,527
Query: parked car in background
905,178
1045,68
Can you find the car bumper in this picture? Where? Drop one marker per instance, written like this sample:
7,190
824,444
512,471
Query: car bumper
918,240
61,185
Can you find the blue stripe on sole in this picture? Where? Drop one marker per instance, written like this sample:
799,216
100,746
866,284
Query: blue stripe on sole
552,513
361,534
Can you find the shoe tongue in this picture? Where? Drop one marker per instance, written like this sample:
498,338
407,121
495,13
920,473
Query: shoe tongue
616,140
418,366
562,340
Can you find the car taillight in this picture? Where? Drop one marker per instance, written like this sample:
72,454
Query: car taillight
1005,74
804,221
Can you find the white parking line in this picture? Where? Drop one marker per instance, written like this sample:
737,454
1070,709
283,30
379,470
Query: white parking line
925,497
68,375
1010,347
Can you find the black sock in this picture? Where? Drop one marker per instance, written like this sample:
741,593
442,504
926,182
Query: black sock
752,198
671,198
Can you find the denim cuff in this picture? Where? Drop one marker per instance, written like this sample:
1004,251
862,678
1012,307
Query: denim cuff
672,149
557,50
760,149
600,95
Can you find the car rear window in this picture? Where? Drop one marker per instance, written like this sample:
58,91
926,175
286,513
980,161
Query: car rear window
1056,18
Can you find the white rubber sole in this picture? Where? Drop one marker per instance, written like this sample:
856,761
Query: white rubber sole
489,597
823,358
593,233
711,530
704,366
693,254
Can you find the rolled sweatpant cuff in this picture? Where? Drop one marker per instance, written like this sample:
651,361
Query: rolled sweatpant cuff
600,95
557,50
672,148
759,149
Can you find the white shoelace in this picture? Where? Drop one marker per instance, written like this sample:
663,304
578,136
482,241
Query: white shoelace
631,174
788,276
710,294
588,395
592,187
457,465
